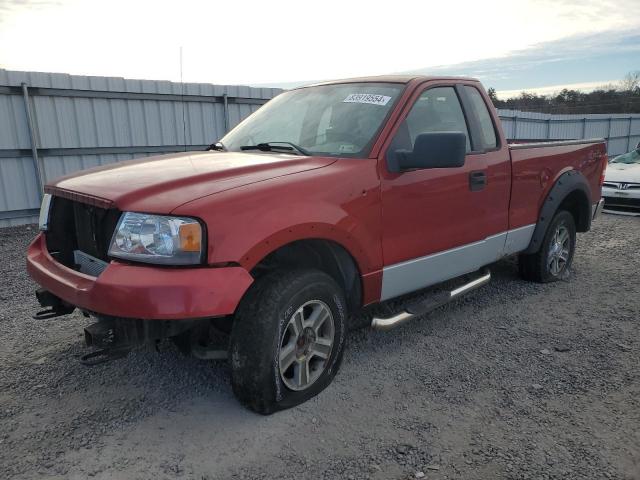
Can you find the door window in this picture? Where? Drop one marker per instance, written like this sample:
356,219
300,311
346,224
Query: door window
488,132
436,110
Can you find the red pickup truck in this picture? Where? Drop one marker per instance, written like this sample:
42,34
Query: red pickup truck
329,198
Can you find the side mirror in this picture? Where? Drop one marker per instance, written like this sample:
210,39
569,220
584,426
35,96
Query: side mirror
434,150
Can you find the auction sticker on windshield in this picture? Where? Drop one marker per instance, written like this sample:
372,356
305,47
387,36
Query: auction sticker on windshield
367,98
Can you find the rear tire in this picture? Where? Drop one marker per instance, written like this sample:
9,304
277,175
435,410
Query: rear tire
553,261
287,339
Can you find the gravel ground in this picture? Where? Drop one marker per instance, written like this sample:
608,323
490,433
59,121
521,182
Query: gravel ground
517,380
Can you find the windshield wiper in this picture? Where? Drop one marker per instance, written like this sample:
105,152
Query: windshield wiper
271,146
218,146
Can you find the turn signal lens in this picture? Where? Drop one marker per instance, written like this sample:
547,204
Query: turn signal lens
190,237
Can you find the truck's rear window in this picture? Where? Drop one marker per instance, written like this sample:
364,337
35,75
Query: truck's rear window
336,120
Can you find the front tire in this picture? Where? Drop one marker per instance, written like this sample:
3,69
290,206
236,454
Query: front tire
287,339
553,261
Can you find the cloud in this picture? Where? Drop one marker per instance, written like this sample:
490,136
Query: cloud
577,46
579,59
12,7
554,89
242,41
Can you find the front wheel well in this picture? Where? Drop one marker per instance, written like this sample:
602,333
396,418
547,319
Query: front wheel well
324,255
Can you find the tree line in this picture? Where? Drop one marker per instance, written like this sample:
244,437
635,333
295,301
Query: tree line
621,97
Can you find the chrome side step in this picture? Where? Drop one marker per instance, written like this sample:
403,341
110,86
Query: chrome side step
420,308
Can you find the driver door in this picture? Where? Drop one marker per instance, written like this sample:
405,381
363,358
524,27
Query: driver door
434,220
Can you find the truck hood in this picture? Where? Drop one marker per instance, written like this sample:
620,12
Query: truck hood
623,172
162,183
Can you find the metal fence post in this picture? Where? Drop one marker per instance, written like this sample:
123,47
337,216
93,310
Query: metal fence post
32,136
629,134
548,128
608,137
584,127
515,126
226,113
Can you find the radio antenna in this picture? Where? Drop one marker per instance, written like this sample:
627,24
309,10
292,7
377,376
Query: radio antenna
184,120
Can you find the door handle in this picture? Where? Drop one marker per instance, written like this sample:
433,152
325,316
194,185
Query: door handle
477,180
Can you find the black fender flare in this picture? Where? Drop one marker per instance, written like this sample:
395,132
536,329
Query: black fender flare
564,186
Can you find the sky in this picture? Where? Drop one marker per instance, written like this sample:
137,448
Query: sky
512,45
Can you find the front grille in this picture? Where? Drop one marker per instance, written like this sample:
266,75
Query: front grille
622,185
628,205
75,226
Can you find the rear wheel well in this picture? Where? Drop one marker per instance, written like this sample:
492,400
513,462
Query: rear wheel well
324,255
571,192
577,204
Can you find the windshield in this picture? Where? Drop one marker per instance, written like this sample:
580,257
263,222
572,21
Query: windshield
336,120
631,157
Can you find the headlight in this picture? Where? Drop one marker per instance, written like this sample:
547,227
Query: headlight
157,239
45,206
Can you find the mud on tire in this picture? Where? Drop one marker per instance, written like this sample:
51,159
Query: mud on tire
537,267
263,334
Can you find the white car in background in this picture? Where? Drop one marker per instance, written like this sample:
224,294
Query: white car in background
621,188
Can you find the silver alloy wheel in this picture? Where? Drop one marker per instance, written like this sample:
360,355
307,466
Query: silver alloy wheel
306,344
559,251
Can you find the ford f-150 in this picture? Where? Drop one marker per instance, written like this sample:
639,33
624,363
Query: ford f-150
329,198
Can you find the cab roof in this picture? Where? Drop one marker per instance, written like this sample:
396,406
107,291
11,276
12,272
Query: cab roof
392,79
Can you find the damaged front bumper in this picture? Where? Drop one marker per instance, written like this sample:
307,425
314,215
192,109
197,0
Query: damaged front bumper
141,291
134,304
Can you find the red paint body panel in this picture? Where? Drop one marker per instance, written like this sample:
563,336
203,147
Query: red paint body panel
535,170
340,203
141,291
161,183
428,211
254,203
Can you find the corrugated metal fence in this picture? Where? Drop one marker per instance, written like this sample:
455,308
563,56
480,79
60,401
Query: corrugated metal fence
54,124
622,131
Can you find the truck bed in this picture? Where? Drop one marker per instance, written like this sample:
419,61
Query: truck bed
536,166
